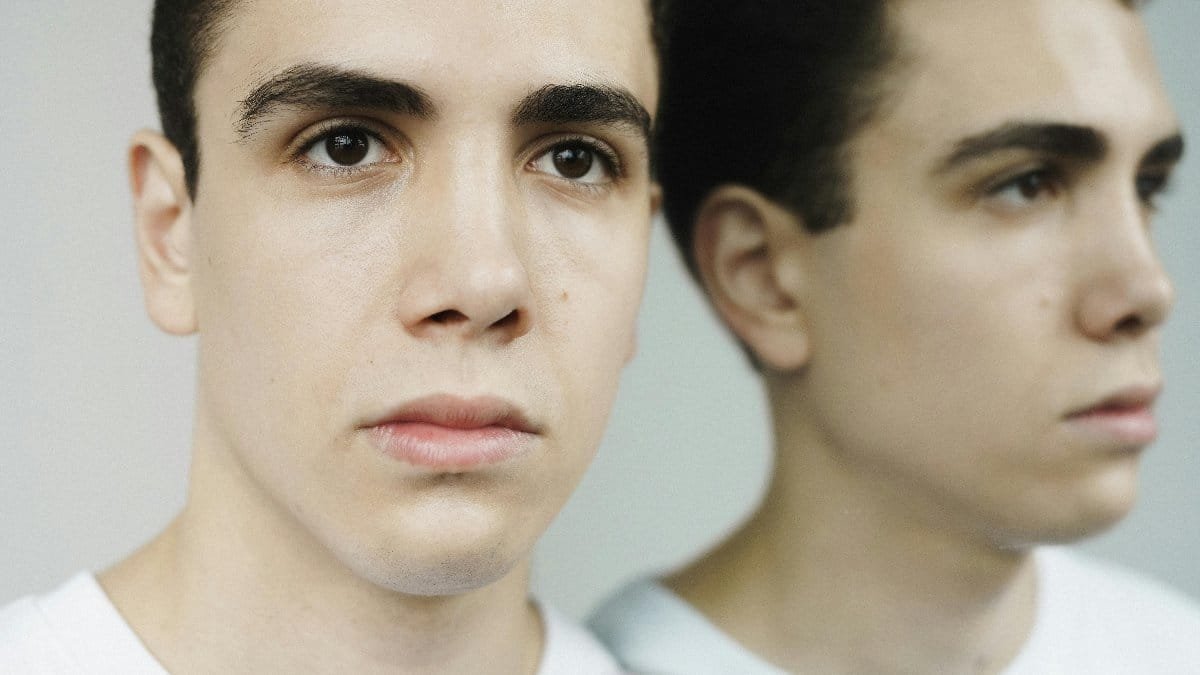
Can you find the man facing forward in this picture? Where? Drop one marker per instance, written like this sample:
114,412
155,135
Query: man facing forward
928,223
411,237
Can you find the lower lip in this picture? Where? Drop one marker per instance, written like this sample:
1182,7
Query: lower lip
432,446
1128,426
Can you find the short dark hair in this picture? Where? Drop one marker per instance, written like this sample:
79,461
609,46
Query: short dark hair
768,94
183,35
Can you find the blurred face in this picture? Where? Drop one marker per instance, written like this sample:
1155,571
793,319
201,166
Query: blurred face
418,248
985,332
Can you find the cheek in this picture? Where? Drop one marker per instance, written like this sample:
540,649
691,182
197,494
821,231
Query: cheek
592,302
276,312
939,341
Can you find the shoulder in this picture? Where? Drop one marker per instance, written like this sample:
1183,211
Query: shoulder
1097,615
570,649
652,630
29,640
73,629
1105,587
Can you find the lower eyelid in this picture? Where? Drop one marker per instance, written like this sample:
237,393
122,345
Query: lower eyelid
300,156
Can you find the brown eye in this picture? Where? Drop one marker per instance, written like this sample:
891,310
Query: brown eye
573,161
1029,188
578,161
1033,185
348,147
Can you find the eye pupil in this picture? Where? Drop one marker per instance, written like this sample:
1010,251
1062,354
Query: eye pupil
573,161
347,147
1149,186
1032,185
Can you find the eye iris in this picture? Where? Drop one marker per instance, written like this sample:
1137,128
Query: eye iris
1032,185
347,147
1148,186
573,161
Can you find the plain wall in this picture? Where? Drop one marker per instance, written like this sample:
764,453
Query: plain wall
96,404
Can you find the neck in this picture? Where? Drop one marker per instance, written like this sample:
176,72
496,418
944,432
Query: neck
834,575
234,586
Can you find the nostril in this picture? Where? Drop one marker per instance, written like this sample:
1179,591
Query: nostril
1130,325
508,320
448,316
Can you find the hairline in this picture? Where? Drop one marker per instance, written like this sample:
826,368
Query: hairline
878,88
205,43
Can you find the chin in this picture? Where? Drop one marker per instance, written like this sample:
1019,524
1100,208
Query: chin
1099,518
1107,498
1070,515
430,576
1093,523
437,557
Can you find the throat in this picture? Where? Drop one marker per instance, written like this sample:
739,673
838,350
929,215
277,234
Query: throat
810,594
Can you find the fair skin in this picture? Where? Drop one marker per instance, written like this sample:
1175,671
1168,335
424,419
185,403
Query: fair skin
966,368
465,232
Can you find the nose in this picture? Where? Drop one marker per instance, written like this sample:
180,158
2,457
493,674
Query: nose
1126,292
468,280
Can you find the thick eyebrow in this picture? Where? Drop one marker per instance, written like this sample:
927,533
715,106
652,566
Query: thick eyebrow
1060,140
310,85
1166,152
583,104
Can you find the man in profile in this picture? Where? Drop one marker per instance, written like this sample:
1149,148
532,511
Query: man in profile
927,221
411,238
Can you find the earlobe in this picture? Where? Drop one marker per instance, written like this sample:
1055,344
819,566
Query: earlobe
747,253
656,199
162,222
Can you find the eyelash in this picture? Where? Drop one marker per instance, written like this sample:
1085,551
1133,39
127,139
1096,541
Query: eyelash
1050,178
605,154
321,133
1149,183
1159,184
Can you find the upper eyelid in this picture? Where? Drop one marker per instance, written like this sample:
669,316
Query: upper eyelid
1163,184
1163,171
607,153
310,135
1008,179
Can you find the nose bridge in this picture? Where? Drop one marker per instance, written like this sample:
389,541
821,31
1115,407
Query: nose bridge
1125,288
473,279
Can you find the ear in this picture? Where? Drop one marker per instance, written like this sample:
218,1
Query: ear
162,211
748,253
656,199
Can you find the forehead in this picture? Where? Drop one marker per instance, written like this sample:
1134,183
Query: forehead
965,65
468,49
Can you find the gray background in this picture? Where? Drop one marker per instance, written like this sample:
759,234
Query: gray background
95,403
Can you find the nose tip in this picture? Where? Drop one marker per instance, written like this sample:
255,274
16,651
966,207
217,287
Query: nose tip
466,261
1128,303
469,293
1125,290
472,319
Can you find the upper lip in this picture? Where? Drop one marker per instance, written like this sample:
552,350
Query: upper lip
1133,397
458,412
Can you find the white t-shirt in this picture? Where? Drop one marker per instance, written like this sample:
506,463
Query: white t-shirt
1092,619
76,630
